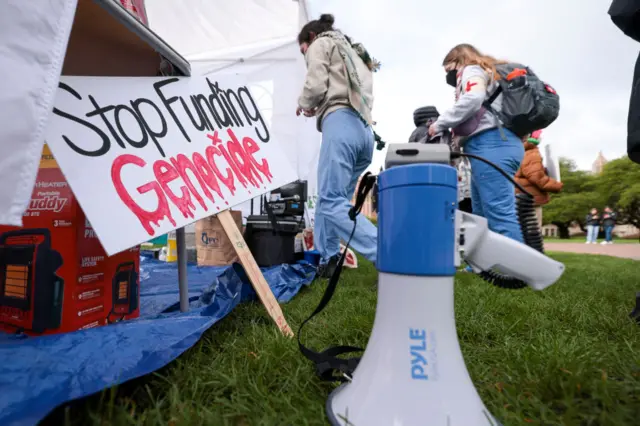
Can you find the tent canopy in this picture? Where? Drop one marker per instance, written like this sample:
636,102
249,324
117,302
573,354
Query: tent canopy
200,29
257,39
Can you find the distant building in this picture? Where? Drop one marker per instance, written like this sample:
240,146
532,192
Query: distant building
598,165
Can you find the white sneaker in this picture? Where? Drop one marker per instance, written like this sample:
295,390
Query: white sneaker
587,242
604,242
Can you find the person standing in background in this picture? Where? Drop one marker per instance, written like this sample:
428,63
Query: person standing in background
423,118
338,91
533,177
608,222
492,196
593,226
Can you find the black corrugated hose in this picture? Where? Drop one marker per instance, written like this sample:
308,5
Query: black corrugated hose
525,207
528,223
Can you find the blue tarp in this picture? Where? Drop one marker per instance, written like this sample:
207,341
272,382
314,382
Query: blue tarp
38,374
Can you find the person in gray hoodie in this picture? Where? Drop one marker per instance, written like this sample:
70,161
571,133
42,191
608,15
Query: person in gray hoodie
473,74
338,91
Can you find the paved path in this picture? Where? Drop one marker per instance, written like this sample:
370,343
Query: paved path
628,251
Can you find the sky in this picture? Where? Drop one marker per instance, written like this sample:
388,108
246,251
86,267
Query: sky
570,44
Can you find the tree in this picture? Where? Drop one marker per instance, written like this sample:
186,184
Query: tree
566,209
629,205
619,186
574,180
579,194
617,176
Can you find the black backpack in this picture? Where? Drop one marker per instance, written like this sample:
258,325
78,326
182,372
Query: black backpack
421,133
528,103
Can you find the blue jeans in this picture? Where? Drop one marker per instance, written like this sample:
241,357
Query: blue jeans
346,152
608,232
592,233
492,195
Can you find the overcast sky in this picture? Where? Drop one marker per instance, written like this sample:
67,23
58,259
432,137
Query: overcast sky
571,44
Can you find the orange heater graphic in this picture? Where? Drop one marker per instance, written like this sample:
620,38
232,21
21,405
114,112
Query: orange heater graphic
125,291
30,291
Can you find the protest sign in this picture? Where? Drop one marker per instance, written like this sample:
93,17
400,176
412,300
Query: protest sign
145,156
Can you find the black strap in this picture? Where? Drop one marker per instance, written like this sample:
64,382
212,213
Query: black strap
494,95
272,217
328,366
488,106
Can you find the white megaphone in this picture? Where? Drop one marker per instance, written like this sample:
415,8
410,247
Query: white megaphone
412,372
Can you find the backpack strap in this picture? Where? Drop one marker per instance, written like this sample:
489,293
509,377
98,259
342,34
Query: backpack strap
494,96
328,366
487,104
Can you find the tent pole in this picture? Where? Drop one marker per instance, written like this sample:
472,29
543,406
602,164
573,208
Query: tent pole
181,246
303,13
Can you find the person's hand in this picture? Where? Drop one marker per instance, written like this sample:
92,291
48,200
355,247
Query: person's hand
306,112
432,130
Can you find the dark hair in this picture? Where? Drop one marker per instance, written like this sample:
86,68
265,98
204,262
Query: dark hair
325,23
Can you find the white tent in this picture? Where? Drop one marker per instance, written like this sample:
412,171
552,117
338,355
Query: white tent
255,38
33,39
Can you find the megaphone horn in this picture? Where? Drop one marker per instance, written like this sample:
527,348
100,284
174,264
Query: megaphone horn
412,371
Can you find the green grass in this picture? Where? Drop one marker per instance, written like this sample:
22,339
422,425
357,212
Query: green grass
566,356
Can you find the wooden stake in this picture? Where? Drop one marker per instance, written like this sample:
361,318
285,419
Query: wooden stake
253,271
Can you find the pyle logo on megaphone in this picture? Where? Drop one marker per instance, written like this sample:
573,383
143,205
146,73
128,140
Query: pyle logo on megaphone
423,360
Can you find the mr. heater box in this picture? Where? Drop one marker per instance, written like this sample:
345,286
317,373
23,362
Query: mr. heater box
55,276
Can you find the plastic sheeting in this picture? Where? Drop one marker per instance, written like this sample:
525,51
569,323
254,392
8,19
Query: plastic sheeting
256,39
196,28
39,374
275,79
33,41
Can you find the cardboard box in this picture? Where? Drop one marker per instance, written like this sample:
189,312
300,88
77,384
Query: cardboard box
55,276
213,246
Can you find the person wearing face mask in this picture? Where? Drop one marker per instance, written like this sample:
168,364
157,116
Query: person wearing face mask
338,91
473,75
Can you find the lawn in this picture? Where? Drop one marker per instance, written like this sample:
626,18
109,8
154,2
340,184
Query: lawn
566,356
